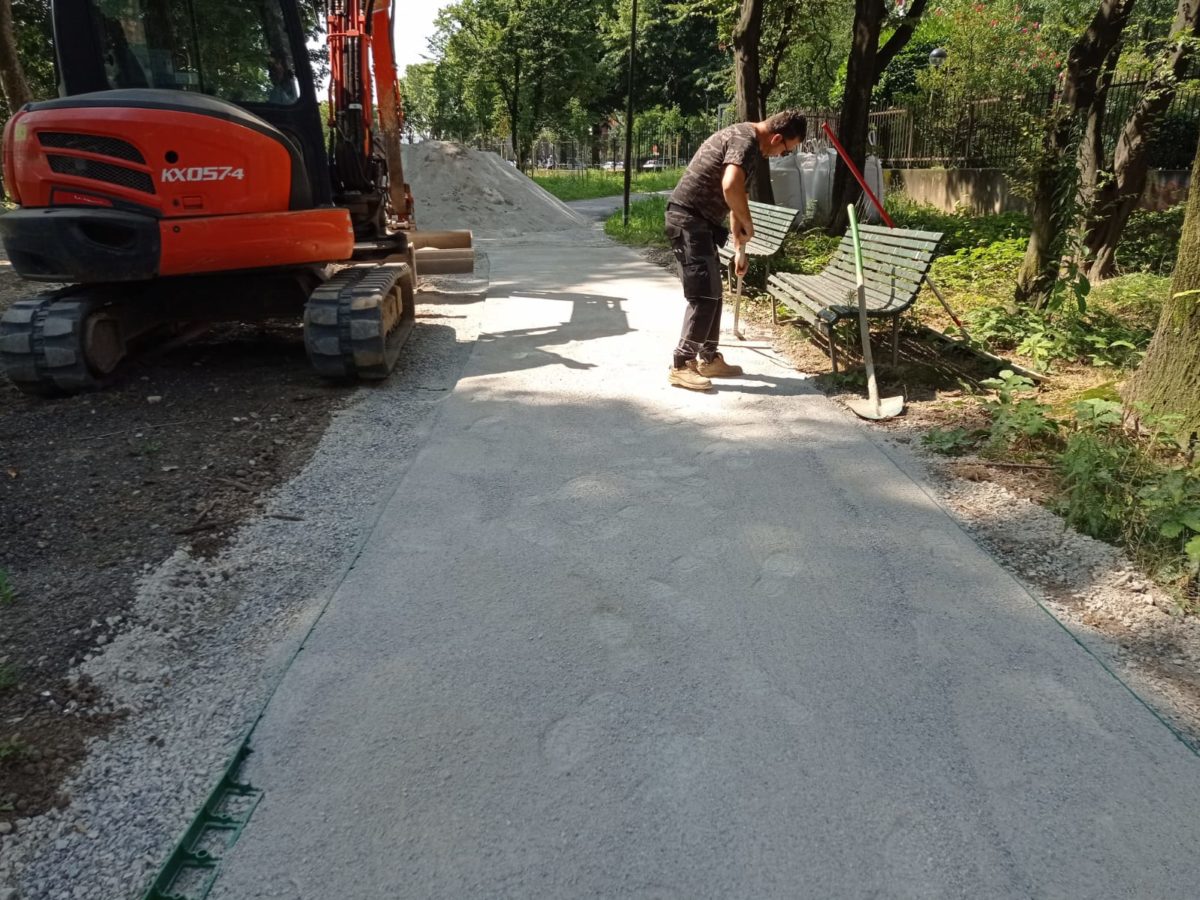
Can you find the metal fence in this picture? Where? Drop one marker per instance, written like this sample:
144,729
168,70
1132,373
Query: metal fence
940,131
1001,132
652,150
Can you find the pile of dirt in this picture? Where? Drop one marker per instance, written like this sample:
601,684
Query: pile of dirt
455,187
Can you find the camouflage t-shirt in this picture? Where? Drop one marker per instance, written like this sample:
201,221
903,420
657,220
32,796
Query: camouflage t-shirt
700,187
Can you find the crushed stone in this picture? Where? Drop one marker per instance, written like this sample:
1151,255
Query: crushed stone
193,663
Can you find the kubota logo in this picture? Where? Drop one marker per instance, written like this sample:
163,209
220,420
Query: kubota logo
202,173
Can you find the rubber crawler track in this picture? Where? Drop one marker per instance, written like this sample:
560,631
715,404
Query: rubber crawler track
356,322
41,344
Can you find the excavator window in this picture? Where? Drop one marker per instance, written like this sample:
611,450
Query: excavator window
237,50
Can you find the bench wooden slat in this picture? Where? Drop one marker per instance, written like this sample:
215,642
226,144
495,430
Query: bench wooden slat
919,261
874,277
927,244
841,292
879,295
898,232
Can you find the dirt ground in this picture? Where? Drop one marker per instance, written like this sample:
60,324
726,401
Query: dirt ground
94,489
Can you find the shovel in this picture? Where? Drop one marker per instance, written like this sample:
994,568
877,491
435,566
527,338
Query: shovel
873,407
739,253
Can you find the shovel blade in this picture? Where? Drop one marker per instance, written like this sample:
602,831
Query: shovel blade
886,408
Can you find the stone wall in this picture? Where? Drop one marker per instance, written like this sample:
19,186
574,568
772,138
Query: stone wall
987,191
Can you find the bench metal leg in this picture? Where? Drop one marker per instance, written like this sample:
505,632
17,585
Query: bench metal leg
829,335
895,341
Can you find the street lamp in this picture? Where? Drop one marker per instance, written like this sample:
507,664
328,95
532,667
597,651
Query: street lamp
937,56
629,110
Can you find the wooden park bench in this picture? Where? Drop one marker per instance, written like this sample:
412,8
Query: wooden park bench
895,263
771,225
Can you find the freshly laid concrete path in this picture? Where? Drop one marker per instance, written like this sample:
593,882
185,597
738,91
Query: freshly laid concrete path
615,639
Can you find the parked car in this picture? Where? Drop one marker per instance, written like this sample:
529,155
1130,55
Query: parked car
655,163
613,165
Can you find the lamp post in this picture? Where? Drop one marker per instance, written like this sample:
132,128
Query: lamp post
629,108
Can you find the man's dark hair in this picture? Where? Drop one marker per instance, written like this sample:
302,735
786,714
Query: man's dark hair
790,124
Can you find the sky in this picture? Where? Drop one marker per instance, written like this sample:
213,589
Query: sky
414,28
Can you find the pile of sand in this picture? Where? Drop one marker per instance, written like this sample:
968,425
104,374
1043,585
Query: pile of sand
454,187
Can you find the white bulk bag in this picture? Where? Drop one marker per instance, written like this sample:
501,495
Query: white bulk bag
785,182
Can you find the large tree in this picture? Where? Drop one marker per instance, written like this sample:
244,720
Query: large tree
866,62
747,85
1166,381
536,54
1056,178
12,73
1112,191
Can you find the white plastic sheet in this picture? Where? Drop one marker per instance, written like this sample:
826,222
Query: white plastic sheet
785,182
816,178
873,176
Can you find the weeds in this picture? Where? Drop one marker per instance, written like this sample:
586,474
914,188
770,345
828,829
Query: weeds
1114,485
1016,417
951,441
7,594
646,227
9,676
12,748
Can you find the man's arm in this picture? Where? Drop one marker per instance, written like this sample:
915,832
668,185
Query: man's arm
733,186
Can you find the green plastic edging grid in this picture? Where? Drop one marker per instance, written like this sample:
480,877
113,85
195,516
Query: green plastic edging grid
188,857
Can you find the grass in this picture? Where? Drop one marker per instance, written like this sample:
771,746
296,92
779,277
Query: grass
7,593
590,183
8,676
12,748
645,223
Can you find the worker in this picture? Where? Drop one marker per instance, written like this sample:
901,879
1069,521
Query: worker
284,89
715,185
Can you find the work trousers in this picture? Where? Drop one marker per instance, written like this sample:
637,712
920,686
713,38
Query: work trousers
695,240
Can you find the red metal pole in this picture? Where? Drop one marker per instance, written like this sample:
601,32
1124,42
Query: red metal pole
857,174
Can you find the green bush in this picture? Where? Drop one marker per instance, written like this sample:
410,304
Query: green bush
1141,494
960,230
1150,241
805,252
1096,337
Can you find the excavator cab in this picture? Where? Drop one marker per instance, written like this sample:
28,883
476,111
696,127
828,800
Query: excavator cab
185,175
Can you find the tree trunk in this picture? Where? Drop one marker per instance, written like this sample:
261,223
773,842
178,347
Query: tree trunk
1056,177
1166,381
1091,148
866,63
12,75
1118,195
856,105
747,88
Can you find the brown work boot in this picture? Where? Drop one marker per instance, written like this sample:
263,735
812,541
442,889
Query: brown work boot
689,378
716,368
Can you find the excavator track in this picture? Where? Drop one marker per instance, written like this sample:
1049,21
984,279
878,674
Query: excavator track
357,321
46,342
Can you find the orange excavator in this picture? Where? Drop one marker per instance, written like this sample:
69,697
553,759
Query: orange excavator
186,175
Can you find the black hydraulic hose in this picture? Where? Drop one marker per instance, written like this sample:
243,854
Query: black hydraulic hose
370,9
196,42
